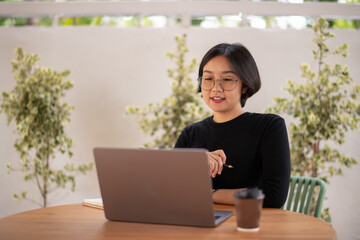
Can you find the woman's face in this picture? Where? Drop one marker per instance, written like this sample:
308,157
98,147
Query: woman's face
225,104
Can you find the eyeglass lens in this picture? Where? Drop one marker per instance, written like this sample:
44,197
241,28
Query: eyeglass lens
228,84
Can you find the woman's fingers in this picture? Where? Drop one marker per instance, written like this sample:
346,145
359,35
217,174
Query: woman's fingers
213,165
219,162
216,161
221,153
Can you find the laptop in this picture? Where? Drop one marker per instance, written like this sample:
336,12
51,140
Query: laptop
157,186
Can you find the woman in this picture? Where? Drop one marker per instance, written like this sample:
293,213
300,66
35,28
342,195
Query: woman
245,149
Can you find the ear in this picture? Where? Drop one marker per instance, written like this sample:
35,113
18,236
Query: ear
244,90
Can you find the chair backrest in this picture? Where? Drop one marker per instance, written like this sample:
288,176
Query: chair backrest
301,192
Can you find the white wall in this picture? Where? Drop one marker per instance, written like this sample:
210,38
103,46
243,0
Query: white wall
114,67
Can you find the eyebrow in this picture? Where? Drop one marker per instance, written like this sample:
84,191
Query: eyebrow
223,72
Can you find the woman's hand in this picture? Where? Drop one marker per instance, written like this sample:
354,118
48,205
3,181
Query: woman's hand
216,161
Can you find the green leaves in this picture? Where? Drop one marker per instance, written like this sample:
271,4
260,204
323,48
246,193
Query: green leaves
21,196
40,118
165,120
323,109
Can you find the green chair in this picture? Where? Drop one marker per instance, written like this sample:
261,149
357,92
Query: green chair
301,192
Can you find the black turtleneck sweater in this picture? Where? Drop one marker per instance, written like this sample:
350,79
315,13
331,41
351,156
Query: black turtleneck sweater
255,144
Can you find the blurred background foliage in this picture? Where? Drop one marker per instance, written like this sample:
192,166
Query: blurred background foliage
165,120
283,22
40,117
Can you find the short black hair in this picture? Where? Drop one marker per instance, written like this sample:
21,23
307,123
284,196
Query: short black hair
242,63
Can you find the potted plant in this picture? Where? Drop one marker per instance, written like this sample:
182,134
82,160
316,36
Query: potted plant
323,109
35,106
165,120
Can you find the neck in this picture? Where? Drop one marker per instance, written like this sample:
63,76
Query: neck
220,117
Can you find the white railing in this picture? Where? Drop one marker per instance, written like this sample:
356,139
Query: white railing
183,9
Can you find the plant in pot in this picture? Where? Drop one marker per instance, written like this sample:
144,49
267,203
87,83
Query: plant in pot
166,119
323,109
40,117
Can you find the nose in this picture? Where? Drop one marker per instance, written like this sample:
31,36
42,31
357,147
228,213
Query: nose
217,85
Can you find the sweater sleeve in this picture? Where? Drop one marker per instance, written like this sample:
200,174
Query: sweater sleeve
275,155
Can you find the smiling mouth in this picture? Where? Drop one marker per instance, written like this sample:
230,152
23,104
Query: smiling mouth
217,99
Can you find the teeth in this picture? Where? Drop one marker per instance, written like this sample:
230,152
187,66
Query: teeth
217,98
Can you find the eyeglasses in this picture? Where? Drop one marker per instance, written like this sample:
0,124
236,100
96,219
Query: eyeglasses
226,83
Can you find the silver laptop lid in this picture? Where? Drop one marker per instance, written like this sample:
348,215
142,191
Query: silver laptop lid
155,186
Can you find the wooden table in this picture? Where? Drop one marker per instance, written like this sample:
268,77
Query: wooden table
80,222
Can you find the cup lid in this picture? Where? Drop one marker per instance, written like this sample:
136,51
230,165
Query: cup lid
254,193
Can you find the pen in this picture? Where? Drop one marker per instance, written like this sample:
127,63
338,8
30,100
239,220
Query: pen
228,166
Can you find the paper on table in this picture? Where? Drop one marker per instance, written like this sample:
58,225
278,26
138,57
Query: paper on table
94,202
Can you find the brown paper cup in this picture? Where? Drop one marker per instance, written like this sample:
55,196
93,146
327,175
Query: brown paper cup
248,212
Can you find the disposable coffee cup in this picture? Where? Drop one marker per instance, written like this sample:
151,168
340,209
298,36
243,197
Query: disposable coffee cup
248,206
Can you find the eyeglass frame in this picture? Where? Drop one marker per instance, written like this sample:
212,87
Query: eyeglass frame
221,82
